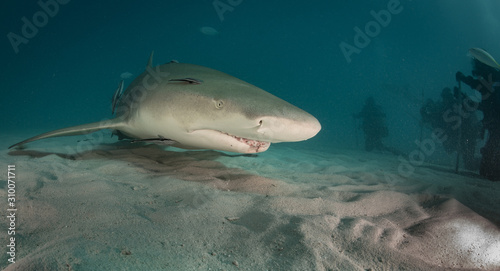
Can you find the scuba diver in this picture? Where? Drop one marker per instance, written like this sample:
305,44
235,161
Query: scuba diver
373,125
439,115
486,80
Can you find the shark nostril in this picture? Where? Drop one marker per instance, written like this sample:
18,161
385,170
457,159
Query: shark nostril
260,122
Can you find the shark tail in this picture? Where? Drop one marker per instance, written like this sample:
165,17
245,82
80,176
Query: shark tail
77,130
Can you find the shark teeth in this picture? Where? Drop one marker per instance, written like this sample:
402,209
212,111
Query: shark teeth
250,142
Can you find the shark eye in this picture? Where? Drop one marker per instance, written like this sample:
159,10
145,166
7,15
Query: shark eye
219,104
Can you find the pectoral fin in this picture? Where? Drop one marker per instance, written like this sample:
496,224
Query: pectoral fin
76,130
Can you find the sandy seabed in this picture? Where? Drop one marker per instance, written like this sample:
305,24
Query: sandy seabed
115,206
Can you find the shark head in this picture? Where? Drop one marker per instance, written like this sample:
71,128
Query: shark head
221,112
246,122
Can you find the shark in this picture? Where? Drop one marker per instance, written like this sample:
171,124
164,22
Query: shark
195,107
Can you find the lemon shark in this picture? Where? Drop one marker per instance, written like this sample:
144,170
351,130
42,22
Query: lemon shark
195,107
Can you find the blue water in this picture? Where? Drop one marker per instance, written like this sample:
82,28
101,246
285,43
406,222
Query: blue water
67,72
64,72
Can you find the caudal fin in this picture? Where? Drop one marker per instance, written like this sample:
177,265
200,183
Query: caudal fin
76,130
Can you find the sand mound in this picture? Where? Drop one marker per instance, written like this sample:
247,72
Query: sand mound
118,207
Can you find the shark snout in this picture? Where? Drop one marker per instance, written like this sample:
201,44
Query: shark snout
278,129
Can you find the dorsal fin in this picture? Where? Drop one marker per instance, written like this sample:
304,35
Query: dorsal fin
150,61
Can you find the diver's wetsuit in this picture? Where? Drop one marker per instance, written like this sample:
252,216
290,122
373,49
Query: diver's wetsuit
373,125
488,85
438,115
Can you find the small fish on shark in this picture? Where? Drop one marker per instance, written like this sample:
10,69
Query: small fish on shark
116,96
160,140
194,107
188,80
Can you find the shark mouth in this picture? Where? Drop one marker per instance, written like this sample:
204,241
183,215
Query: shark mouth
223,141
255,145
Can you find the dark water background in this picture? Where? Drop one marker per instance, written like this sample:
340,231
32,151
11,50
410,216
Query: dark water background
66,74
